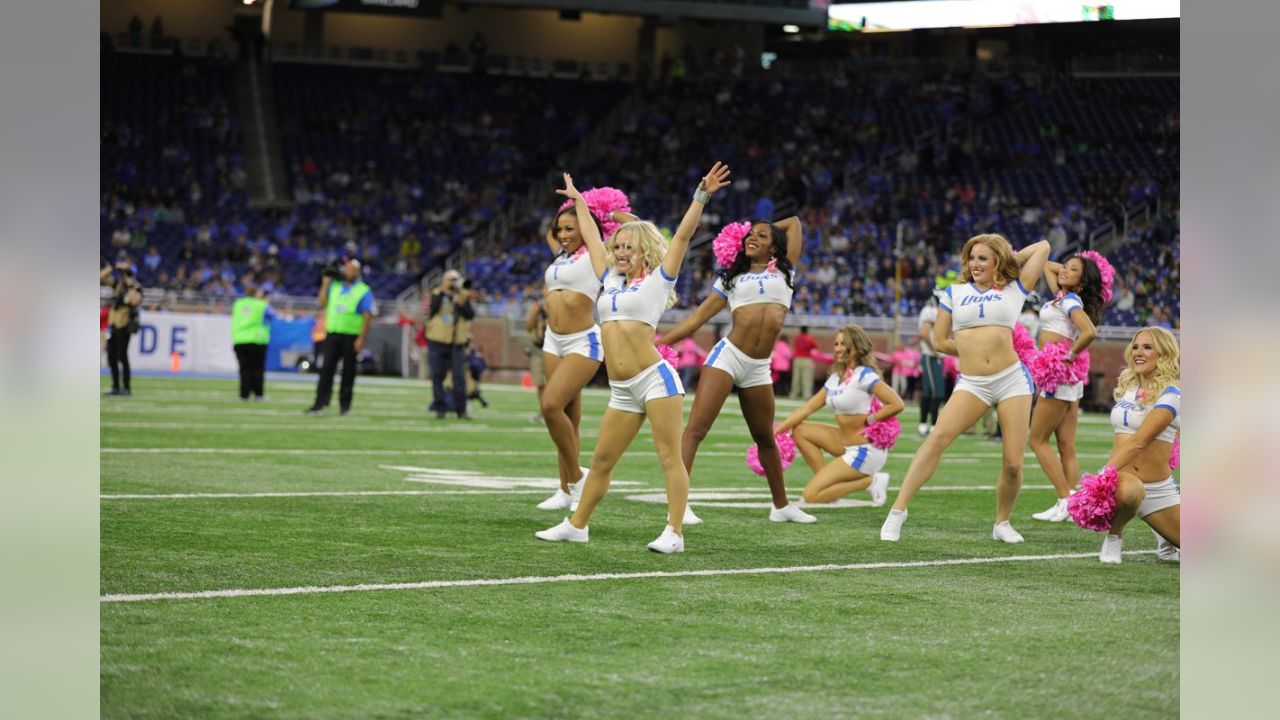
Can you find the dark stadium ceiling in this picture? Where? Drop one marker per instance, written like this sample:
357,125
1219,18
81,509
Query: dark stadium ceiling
793,12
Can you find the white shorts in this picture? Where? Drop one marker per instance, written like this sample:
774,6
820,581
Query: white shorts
866,458
585,343
1160,495
653,383
1065,393
745,370
992,389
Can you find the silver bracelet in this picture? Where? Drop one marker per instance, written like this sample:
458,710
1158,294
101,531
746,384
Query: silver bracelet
701,196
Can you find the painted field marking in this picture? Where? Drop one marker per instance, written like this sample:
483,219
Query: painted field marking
547,579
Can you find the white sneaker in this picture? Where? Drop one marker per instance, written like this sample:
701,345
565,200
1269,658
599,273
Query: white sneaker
668,542
560,501
879,489
1111,549
1166,550
689,517
1057,513
891,530
575,490
1004,532
790,513
922,430
565,531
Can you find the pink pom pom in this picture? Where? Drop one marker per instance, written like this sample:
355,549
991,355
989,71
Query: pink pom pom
1175,456
602,202
1049,371
786,450
728,243
881,434
669,354
1023,344
1104,268
1094,504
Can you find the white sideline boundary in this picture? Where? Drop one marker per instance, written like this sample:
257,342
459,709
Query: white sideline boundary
629,492
548,579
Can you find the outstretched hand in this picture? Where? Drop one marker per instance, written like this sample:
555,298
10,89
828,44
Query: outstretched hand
569,190
717,178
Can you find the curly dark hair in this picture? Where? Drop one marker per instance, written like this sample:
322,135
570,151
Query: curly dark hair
1090,289
742,263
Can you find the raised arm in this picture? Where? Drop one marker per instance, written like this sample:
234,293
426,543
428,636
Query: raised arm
1032,259
717,178
707,310
1051,270
552,243
1154,424
623,217
802,413
323,298
943,341
590,231
795,238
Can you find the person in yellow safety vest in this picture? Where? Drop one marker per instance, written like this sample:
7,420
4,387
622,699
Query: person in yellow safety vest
348,312
251,318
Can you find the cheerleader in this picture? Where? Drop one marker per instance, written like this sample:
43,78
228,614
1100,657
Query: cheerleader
975,321
755,280
639,285
1071,318
1146,419
853,381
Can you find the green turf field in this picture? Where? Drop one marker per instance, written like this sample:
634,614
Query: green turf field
399,512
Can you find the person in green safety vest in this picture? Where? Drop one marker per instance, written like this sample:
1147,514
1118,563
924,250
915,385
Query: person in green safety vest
348,308
251,318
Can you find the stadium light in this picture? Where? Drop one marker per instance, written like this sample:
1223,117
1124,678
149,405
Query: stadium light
790,28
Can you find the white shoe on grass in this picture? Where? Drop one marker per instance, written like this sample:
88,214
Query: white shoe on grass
1004,532
879,489
560,501
668,542
565,531
1111,547
790,513
575,490
1057,513
1166,550
891,530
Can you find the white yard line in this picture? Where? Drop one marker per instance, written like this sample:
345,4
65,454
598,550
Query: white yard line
753,491
548,579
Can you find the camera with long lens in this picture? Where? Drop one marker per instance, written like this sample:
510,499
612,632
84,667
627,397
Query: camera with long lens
333,269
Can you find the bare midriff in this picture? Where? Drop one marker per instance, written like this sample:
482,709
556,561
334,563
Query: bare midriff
985,350
756,327
1152,464
569,312
628,348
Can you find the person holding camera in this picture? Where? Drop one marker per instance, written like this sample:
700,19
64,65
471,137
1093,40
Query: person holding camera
251,318
449,316
348,312
122,318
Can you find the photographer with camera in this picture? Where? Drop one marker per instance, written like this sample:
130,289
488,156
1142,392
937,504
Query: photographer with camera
348,307
122,318
449,315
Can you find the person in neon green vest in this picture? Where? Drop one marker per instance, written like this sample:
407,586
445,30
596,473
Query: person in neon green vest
251,318
348,308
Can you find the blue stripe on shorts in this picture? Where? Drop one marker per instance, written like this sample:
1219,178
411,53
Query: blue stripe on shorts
595,345
715,353
667,378
860,458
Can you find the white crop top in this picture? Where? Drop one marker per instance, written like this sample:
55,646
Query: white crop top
644,301
1127,415
1056,316
970,307
755,288
853,397
573,273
